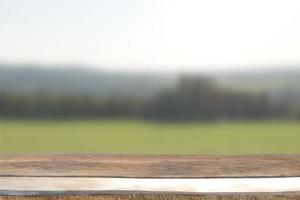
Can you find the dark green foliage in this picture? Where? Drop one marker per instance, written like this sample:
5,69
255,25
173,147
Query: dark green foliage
42,105
194,98
198,98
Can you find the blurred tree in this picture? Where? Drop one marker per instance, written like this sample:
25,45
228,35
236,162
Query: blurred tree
194,98
197,98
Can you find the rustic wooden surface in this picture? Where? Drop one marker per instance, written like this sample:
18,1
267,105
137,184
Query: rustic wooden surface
149,166
146,166
80,185
289,196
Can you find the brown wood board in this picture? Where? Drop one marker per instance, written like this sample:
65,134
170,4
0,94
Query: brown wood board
160,166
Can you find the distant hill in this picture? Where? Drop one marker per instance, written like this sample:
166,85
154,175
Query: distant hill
282,84
81,81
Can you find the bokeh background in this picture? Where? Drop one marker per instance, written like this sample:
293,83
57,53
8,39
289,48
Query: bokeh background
150,77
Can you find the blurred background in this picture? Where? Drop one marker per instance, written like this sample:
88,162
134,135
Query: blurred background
150,77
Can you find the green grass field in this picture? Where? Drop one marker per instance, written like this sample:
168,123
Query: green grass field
131,136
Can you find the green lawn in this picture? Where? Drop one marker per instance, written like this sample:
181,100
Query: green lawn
131,136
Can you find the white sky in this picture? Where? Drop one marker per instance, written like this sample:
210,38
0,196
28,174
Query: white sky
151,34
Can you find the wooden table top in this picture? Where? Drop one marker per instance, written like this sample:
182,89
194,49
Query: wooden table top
148,166
115,177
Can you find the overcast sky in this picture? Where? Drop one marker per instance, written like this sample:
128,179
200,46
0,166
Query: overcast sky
151,34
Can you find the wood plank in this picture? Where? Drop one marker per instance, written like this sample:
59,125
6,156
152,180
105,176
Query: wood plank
163,166
258,196
65,185
112,177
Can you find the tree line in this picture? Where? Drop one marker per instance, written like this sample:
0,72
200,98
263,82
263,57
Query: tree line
194,98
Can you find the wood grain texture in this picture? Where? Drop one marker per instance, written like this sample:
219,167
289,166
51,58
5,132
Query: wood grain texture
287,196
65,185
179,166
146,166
